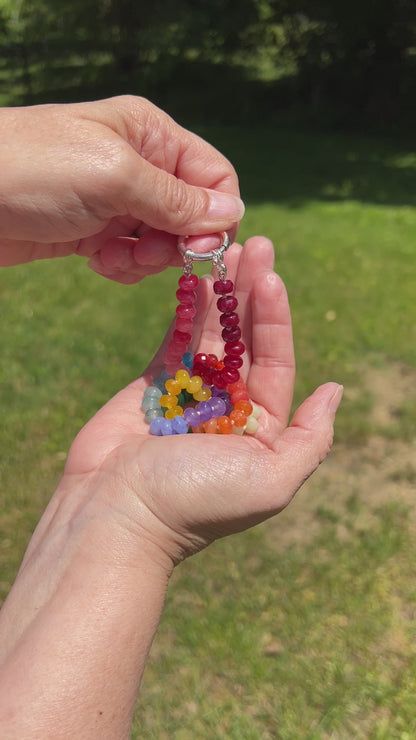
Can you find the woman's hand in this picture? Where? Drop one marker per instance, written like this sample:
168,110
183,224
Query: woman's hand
77,625
184,491
113,180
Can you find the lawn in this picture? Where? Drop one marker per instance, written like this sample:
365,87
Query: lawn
303,628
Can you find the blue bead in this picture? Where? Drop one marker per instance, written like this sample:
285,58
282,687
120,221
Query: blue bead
188,359
156,426
161,380
166,427
150,402
152,391
179,425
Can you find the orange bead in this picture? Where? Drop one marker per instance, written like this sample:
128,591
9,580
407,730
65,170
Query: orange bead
239,395
225,425
239,385
244,406
238,418
211,426
220,365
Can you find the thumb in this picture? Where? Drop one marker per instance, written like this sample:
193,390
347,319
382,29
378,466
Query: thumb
168,203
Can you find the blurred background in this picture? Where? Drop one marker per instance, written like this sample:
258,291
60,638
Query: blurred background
305,627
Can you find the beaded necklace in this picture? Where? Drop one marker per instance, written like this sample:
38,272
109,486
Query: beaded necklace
201,393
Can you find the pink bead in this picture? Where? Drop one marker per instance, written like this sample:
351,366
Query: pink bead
188,282
172,358
229,319
187,297
229,375
223,286
234,348
233,361
185,312
231,334
183,337
185,325
227,303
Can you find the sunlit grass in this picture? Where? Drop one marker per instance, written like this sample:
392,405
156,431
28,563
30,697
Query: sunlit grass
314,641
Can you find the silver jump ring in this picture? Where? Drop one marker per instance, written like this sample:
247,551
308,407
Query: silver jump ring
188,254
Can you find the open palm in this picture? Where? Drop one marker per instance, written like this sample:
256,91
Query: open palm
188,490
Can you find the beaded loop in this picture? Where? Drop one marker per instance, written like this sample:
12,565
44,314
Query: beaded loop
202,393
189,255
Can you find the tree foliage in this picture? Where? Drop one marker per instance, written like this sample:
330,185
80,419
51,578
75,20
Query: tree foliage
355,58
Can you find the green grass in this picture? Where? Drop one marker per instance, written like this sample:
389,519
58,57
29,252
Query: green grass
257,641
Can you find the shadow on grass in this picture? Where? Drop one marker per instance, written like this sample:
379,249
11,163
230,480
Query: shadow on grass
258,125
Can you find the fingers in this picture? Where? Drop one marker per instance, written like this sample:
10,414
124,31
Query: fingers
177,181
130,259
272,373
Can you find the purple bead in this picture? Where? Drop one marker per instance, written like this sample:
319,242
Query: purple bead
227,303
229,319
223,286
231,334
205,411
218,406
192,417
179,425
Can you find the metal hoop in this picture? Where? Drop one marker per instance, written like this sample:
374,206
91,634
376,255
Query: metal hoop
188,254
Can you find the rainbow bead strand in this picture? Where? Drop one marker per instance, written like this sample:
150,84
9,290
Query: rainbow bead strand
202,394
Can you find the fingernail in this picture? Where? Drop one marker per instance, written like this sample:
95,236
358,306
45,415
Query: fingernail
224,206
335,400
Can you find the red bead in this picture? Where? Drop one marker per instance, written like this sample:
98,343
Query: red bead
206,374
185,312
229,319
200,358
233,361
231,334
218,380
212,360
229,375
223,286
234,348
181,337
188,282
185,325
227,303
188,297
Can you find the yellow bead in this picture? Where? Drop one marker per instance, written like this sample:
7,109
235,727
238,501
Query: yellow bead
195,384
203,394
182,376
168,401
173,386
252,425
175,411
